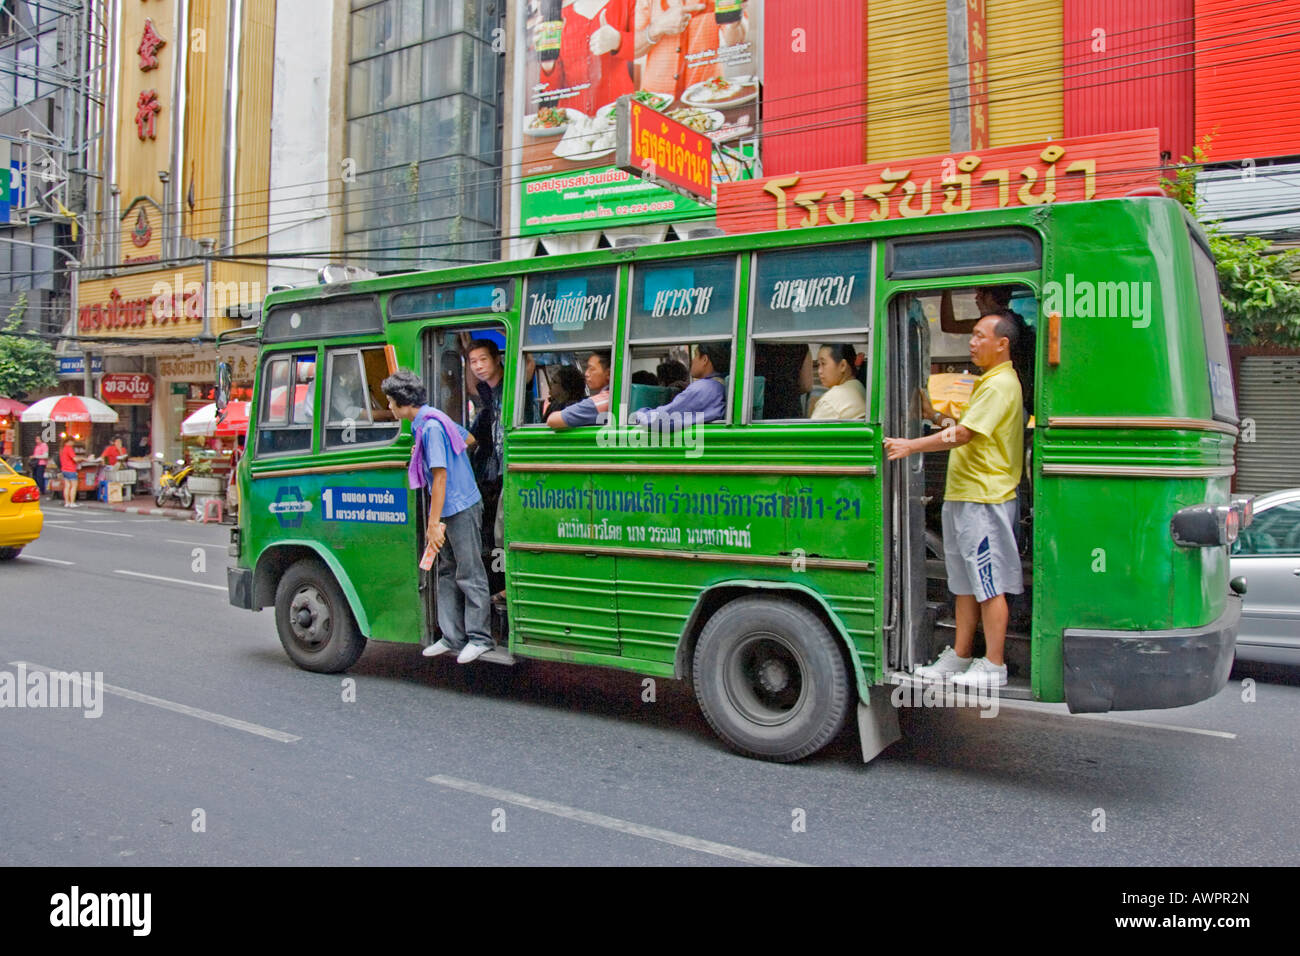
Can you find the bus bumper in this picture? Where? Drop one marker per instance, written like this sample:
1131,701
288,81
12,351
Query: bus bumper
239,582
1149,670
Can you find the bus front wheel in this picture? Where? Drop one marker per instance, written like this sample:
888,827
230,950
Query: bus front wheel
770,679
315,623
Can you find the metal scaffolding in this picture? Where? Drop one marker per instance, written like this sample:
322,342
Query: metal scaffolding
55,66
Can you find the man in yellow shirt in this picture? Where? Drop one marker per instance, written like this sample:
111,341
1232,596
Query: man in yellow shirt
979,504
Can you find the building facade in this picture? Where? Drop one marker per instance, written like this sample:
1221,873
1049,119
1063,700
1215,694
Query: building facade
176,254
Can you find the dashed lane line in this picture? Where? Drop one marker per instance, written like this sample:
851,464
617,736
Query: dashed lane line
613,823
221,719
159,577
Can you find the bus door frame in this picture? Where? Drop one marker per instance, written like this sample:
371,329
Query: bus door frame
909,613
429,367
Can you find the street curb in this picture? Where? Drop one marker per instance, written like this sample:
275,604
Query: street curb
177,515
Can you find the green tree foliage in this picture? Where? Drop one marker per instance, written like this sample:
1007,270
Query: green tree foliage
1260,290
26,363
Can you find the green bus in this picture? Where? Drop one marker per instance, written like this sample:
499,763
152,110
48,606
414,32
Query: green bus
777,561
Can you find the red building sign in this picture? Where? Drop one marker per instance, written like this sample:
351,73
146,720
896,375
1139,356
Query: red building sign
147,109
1068,170
661,149
119,313
150,44
127,388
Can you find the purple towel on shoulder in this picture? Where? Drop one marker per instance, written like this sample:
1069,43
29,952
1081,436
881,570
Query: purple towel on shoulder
417,475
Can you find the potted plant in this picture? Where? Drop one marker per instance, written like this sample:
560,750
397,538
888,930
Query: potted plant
201,479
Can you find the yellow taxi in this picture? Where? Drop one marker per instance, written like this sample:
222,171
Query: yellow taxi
20,512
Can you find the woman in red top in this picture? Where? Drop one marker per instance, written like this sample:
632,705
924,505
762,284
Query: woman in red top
113,452
596,52
68,463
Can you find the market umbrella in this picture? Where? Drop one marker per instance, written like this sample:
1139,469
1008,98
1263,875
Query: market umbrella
206,421
279,394
69,408
10,406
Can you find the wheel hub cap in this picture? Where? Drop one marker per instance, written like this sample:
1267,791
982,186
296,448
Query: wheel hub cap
774,676
309,616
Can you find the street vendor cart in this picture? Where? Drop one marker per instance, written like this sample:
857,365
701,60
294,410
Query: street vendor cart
87,479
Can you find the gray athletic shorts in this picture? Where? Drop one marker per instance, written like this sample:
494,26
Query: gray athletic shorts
979,548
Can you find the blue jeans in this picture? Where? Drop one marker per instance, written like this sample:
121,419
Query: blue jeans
464,608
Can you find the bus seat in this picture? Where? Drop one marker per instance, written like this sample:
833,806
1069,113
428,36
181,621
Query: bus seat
756,402
649,396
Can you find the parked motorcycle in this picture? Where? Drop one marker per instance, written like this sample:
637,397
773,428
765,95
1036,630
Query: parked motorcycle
174,484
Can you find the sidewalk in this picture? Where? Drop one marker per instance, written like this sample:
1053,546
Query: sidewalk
139,505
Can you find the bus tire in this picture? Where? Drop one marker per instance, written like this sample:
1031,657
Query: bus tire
315,623
770,679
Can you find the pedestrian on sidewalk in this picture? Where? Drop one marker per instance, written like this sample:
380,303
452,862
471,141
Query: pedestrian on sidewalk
40,458
68,464
440,463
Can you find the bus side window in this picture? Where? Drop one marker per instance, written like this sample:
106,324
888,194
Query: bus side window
288,395
356,411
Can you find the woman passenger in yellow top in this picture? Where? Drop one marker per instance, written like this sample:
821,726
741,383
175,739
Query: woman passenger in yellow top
845,398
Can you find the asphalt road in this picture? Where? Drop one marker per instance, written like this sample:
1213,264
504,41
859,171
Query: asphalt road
213,749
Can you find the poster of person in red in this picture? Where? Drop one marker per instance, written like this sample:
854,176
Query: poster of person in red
697,61
597,45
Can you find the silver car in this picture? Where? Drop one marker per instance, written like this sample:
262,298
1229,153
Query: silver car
1268,555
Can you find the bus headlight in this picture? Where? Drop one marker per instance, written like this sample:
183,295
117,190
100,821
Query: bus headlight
1206,526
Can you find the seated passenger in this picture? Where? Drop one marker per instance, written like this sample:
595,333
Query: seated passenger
704,400
846,396
788,371
594,409
672,374
566,388
644,378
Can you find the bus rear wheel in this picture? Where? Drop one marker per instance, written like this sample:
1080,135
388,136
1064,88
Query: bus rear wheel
315,623
770,679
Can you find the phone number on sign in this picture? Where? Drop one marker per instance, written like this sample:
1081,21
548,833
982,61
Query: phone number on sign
666,205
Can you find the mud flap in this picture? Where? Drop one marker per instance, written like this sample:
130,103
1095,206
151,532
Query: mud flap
877,722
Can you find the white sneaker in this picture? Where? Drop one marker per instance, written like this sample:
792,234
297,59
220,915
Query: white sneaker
437,647
471,652
946,666
74,505
983,673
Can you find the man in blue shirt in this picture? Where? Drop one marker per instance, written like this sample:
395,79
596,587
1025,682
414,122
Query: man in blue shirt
704,400
594,409
440,463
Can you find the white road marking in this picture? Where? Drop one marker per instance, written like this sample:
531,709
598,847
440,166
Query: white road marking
158,577
1033,707
189,711
613,823
69,527
198,544
104,521
1143,723
37,557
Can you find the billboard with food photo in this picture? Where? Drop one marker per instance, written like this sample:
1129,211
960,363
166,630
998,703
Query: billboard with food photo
698,61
